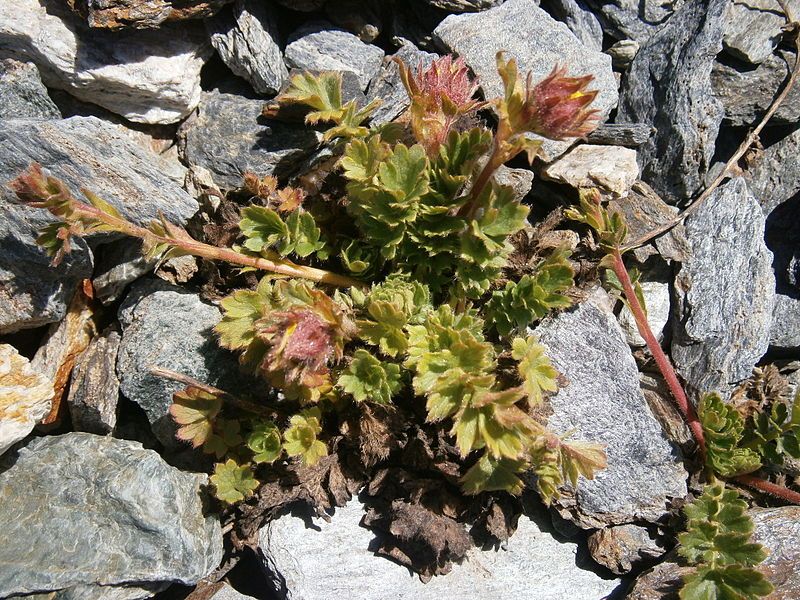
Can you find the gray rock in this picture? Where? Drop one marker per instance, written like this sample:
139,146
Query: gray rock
674,97
247,41
22,93
94,386
777,529
128,176
785,329
145,76
753,28
519,180
604,403
227,592
656,297
634,19
166,326
142,14
629,135
783,239
460,6
580,20
747,95
389,88
724,292
537,41
612,169
362,18
117,265
621,549
333,560
322,47
622,53
229,137
85,509
774,177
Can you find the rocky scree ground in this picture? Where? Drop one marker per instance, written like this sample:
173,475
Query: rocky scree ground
156,106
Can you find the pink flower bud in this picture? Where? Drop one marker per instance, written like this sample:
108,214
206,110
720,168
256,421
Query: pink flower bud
560,105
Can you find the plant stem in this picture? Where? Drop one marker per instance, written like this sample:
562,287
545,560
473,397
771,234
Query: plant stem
663,363
769,488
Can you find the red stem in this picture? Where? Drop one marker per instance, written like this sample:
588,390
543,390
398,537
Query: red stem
769,488
663,363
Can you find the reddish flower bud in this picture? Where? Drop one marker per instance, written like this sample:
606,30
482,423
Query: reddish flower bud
560,105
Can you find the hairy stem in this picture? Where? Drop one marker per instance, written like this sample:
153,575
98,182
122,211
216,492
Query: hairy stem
663,363
769,488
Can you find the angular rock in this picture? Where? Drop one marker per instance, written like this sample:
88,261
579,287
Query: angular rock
414,23
621,549
611,168
774,176
321,47
629,135
145,76
777,529
633,19
747,95
580,20
25,396
674,97
604,403
80,509
622,53
94,388
519,180
538,42
166,326
783,239
461,6
22,93
117,265
362,18
785,330
247,41
724,292
129,177
333,560
656,297
753,28
140,14
389,88
229,137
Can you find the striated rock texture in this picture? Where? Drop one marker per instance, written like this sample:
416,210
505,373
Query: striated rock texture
141,14
80,509
604,403
25,396
94,387
321,47
622,548
634,19
612,169
166,326
774,177
131,178
145,76
746,95
247,41
753,28
783,239
724,292
668,87
777,529
229,137
459,6
580,19
537,41
328,560
22,93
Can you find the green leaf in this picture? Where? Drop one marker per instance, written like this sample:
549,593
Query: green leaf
404,174
723,427
535,369
300,439
232,482
367,378
725,583
774,432
490,474
240,311
322,92
581,458
265,441
224,437
195,411
262,228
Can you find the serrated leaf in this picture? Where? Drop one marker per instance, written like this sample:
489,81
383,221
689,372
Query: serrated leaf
322,92
232,482
367,378
404,173
264,440
224,436
535,369
725,583
490,474
581,458
723,427
195,411
241,310
262,228
300,439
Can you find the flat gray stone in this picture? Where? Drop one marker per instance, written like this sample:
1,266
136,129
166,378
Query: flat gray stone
125,174
117,265
774,177
80,509
785,330
333,560
247,41
166,326
142,14
783,239
580,19
94,386
460,6
148,76
674,96
634,19
22,93
229,137
656,297
629,135
622,53
724,292
746,95
389,88
538,43
753,28
603,403
612,169
322,47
